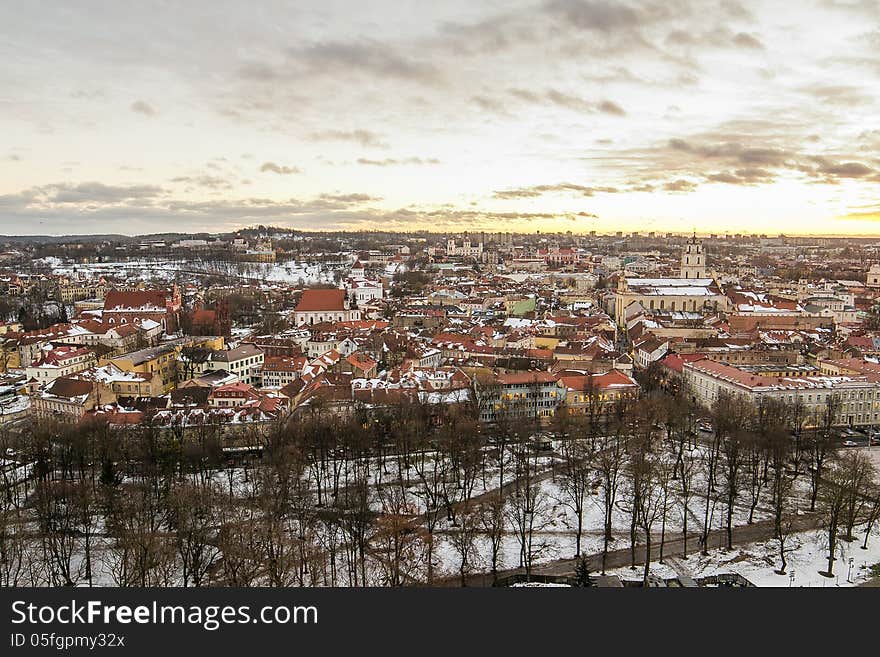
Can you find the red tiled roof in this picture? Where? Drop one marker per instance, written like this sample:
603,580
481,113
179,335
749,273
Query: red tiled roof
676,362
119,300
313,300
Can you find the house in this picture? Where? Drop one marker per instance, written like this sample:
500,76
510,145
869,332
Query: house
114,383
244,361
649,350
64,399
278,371
58,362
317,306
233,395
162,360
594,394
855,399
359,365
520,395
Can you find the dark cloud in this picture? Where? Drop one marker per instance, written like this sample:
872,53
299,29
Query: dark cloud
748,176
380,59
733,151
332,211
609,107
142,107
743,40
846,169
596,15
680,185
279,169
569,101
92,192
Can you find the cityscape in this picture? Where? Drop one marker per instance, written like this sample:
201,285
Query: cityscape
511,294
272,407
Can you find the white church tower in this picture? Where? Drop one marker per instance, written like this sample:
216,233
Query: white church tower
693,260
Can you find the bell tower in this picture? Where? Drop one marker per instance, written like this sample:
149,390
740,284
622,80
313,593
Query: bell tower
693,260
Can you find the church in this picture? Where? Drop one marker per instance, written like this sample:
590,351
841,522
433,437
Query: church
695,290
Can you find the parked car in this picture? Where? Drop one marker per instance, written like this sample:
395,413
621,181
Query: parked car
850,443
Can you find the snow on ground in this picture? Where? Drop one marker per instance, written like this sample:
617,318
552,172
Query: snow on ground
757,562
168,269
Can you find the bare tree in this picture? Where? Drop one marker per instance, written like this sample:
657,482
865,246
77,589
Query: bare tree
858,485
687,469
820,444
872,513
576,482
610,461
491,518
397,544
464,539
527,504
238,545
832,503
193,518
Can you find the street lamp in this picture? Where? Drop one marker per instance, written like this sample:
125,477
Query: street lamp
790,579
849,574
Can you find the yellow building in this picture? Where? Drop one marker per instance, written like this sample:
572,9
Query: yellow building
546,342
161,361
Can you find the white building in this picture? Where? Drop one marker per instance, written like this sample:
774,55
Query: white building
858,397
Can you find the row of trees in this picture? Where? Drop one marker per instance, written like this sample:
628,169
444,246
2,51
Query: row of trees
367,497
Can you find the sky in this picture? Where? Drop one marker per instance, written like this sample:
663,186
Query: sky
722,116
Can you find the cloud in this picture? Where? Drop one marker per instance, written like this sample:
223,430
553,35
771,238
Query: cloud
846,169
567,100
733,151
365,138
747,176
329,211
258,71
91,192
743,40
540,190
490,105
609,107
595,16
391,162
351,198
367,57
279,169
680,185
208,182
142,107
839,94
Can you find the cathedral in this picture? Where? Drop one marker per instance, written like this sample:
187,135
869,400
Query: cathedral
694,291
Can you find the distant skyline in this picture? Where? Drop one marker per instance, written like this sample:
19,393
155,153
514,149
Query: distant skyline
719,115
